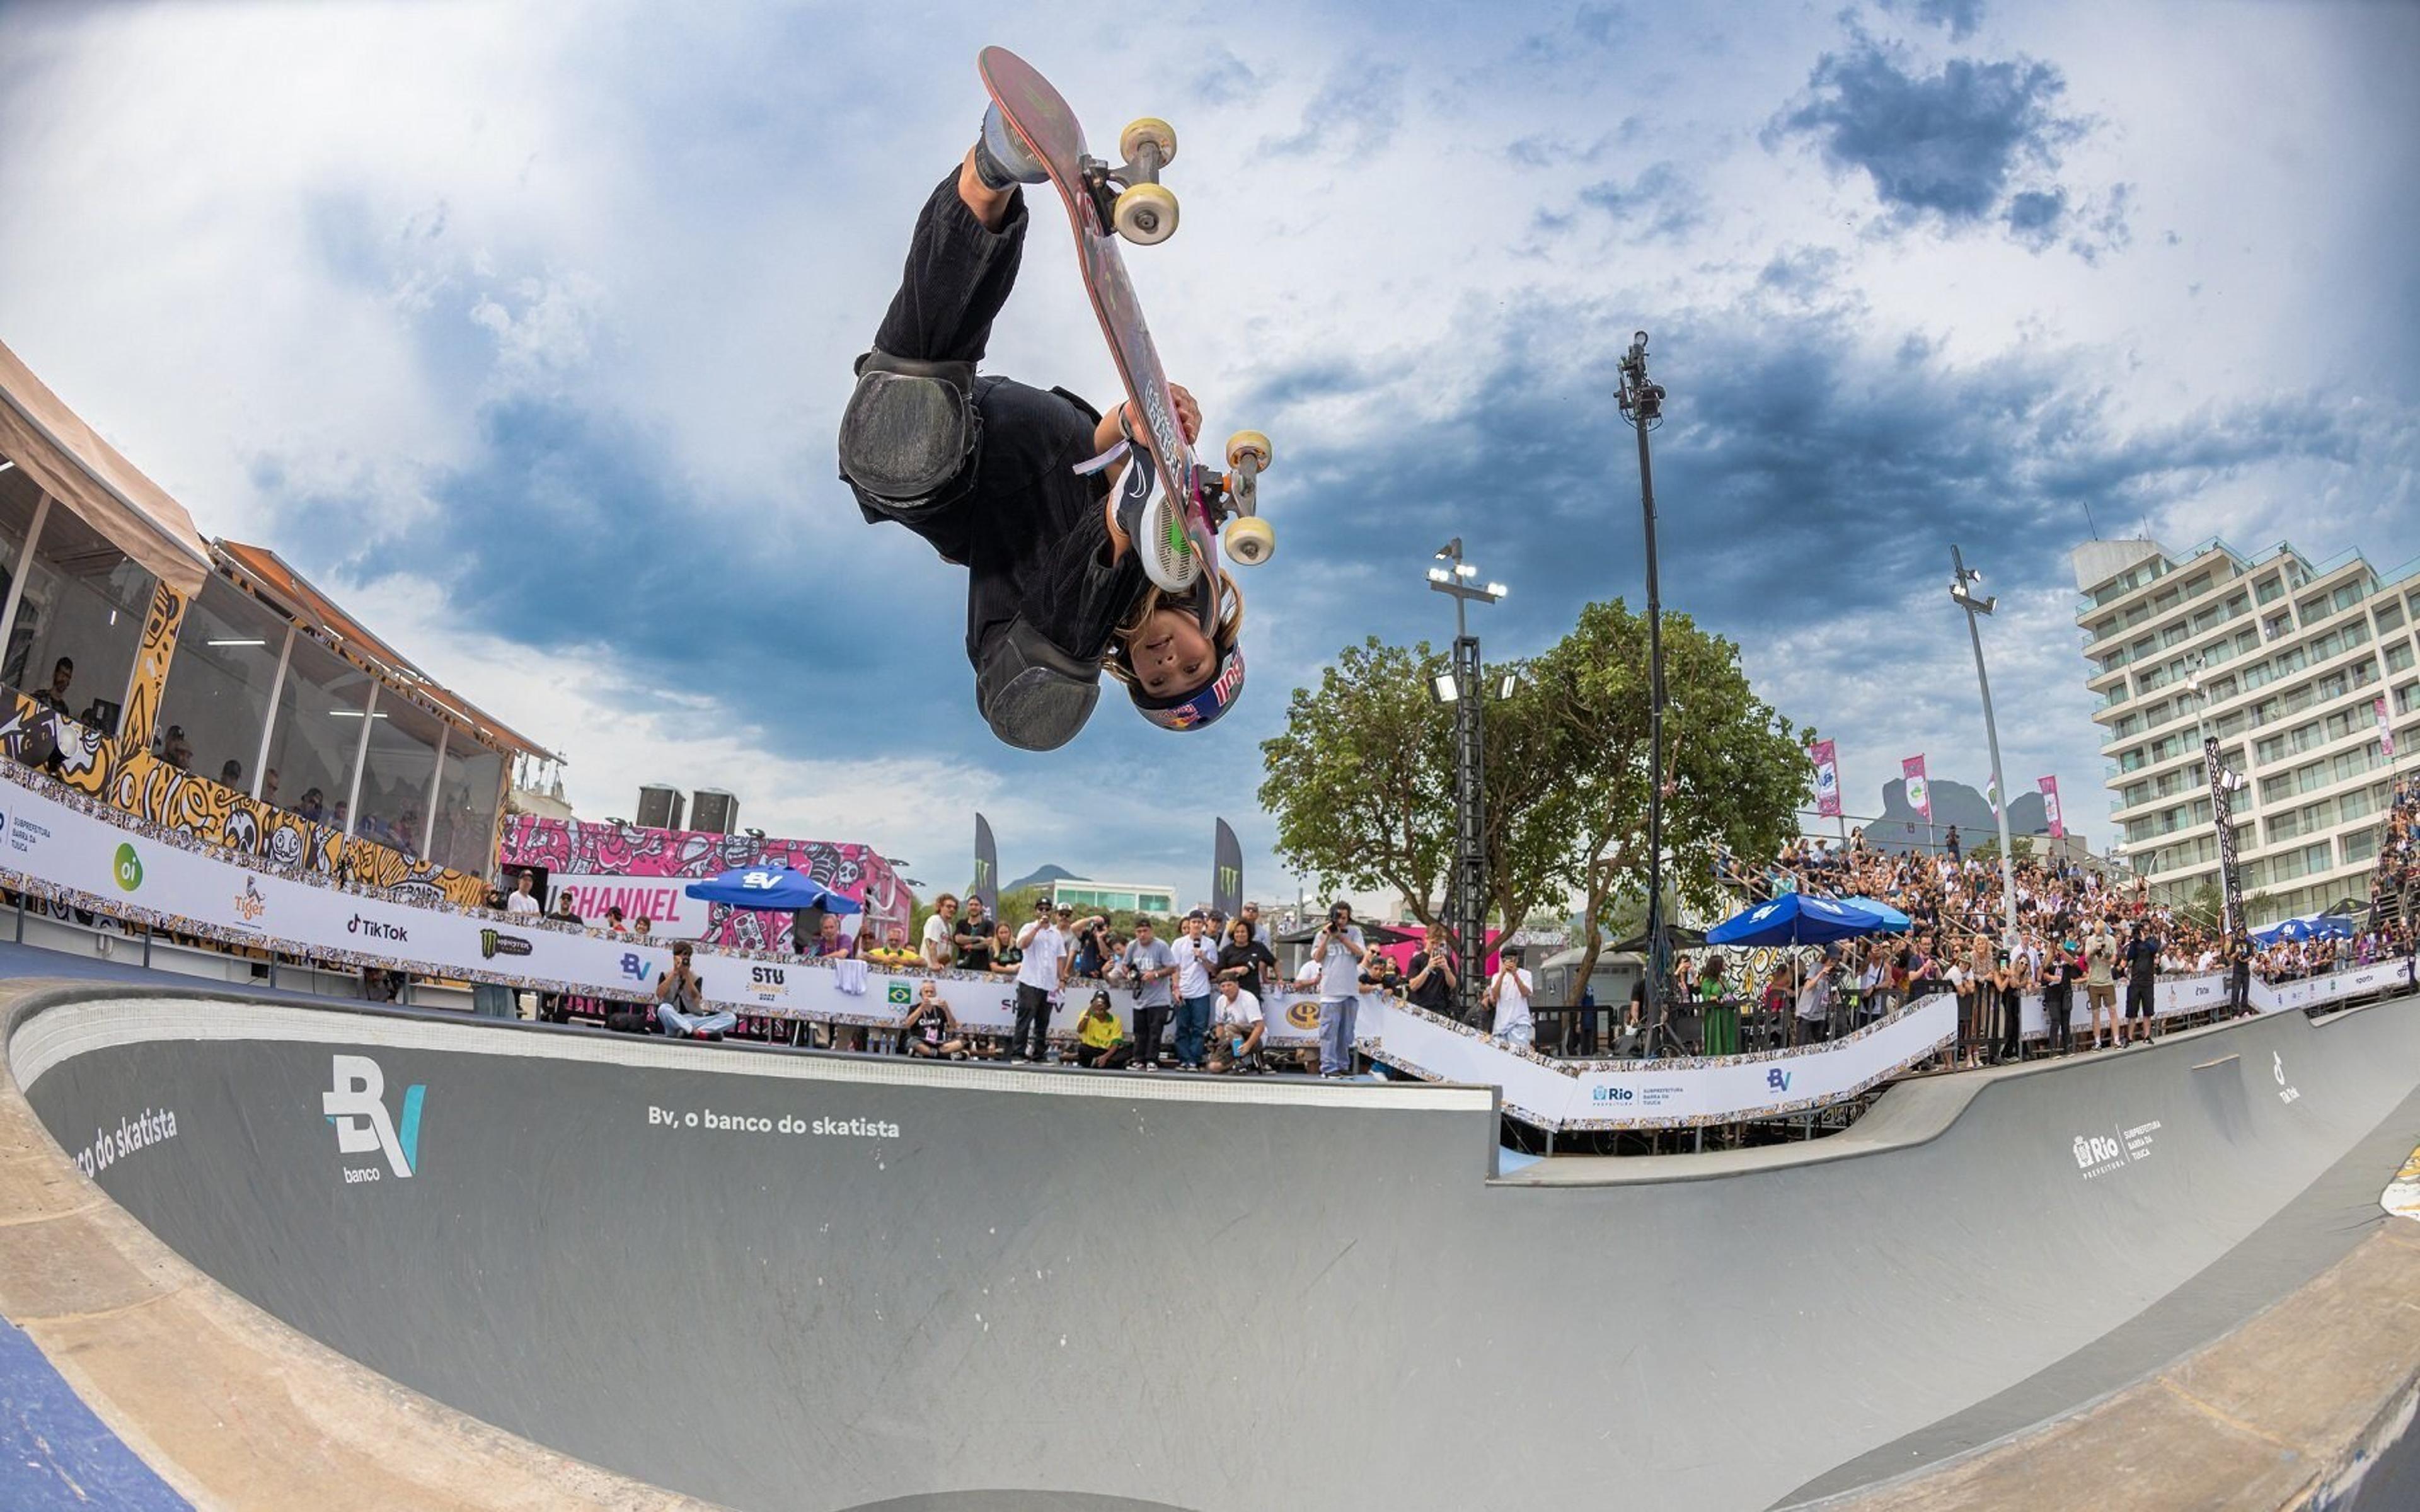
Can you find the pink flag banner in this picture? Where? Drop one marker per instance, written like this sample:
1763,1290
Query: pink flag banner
1827,779
2385,731
1919,796
2049,786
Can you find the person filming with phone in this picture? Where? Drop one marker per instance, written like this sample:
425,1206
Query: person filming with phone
1341,954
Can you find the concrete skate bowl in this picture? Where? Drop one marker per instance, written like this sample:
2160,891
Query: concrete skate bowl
790,1280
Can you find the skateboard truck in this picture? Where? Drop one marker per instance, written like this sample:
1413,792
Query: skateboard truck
1128,196
1233,497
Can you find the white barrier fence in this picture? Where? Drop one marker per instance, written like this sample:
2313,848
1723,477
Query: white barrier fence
60,845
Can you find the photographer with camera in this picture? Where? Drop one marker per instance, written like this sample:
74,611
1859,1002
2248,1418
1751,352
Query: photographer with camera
1340,953
680,1001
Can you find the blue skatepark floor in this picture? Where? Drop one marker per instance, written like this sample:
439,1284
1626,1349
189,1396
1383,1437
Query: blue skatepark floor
54,1454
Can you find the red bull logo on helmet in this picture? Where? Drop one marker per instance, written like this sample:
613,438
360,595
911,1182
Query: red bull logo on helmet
1208,704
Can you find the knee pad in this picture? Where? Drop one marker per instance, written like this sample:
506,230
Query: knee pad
1034,696
909,426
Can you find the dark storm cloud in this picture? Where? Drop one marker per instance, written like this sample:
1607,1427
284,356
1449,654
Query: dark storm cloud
1801,469
1976,141
570,527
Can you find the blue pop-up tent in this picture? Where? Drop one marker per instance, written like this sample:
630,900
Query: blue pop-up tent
1795,918
2308,927
777,888
1892,918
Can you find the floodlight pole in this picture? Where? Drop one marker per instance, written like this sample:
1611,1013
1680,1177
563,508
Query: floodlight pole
2221,804
1466,886
1962,582
1642,406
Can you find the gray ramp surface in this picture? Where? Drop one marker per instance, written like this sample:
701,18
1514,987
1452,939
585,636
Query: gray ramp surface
998,1290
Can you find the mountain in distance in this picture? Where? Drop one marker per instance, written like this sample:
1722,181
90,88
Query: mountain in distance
1901,827
1042,878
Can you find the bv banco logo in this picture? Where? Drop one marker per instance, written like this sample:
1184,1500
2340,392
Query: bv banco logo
356,1104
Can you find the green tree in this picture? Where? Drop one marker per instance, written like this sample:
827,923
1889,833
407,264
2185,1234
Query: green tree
1361,780
1736,771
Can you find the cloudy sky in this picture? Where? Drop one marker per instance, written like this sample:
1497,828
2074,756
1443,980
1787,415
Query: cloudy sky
527,332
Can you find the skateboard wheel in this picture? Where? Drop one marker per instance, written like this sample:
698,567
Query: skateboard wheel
1249,541
1146,215
1149,128
1250,443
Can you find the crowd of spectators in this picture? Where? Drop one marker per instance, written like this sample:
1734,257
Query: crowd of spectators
1198,995
2077,927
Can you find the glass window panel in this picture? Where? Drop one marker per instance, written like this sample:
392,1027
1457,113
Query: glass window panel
318,730
466,808
220,681
394,782
83,601
18,498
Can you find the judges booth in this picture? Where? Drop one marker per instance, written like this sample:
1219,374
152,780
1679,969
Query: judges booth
207,688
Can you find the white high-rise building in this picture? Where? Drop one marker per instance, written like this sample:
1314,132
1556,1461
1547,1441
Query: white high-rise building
2285,660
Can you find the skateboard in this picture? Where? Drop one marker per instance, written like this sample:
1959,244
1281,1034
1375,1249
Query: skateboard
1105,202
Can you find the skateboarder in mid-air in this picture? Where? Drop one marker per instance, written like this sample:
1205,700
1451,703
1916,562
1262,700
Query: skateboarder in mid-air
1002,477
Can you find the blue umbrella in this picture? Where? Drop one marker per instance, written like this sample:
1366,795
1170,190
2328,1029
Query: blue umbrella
777,888
1892,918
2310,926
1795,918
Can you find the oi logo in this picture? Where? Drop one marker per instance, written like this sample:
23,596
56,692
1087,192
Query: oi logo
128,867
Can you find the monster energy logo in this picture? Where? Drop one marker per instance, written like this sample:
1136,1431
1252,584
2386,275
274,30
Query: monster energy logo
493,943
1230,879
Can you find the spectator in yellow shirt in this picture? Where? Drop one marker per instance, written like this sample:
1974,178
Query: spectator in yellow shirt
1099,1043
895,952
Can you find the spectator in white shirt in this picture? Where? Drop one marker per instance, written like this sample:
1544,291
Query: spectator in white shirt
1040,978
1509,994
1197,959
524,896
1814,1011
1236,1040
1339,953
939,947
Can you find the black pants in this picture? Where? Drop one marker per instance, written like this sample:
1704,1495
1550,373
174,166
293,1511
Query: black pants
1015,480
1033,1023
1149,1024
2058,1009
2013,1028
2139,1000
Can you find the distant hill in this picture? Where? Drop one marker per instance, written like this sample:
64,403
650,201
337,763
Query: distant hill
1042,878
1953,803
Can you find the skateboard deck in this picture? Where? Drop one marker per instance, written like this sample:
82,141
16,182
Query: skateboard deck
1043,120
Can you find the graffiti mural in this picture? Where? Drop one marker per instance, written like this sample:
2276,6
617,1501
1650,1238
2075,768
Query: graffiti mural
559,846
151,658
137,782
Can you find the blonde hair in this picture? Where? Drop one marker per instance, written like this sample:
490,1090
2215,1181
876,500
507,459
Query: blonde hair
1154,598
